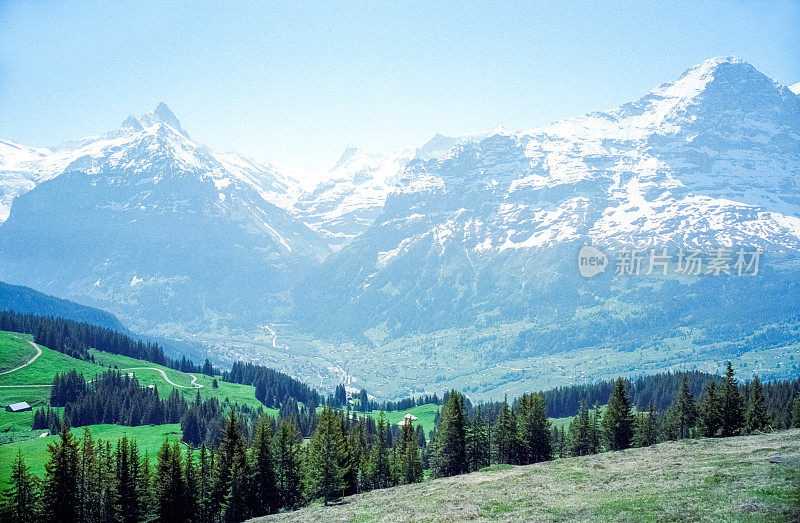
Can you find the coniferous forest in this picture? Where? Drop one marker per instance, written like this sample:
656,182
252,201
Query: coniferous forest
233,462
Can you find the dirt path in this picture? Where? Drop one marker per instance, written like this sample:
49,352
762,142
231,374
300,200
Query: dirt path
192,385
38,353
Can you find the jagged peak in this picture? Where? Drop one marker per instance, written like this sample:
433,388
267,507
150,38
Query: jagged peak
163,115
698,77
349,152
795,88
132,123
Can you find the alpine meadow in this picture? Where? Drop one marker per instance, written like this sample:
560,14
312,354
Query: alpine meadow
593,317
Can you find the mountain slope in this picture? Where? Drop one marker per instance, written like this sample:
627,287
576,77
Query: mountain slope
25,300
469,276
700,480
152,226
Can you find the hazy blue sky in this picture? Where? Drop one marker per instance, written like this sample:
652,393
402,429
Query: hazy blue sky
294,83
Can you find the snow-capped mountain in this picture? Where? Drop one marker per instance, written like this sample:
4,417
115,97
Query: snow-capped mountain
709,160
347,202
354,192
151,225
22,167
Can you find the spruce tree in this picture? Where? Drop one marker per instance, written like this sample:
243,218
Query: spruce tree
168,485
618,418
448,448
88,492
229,490
681,415
106,482
204,468
379,466
710,411
20,499
357,474
61,479
595,429
191,483
263,490
410,459
796,413
477,442
328,457
287,463
646,433
127,476
731,403
756,415
533,430
505,435
580,432
145,487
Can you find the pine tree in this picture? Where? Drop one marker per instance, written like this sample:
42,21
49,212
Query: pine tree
169,487
379,466
618,419
410,459
477,442
448,447
796,413
595,429
580,432
710,411
646,433
191,483
229,490
287,463
204,469
357,473
328,457
88,488
127,477
61,479
562,442
20,499
106,482
505,435
756,415
681,415
263,472
145,487
731,402
533,430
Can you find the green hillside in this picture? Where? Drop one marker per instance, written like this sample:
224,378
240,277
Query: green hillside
729,479
34,450
31,384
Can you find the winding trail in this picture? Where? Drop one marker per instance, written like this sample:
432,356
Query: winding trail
192,385
38,353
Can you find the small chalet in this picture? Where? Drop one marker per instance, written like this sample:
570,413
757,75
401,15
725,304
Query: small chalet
407,418
22,406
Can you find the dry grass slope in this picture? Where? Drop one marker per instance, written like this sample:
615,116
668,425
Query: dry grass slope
728,479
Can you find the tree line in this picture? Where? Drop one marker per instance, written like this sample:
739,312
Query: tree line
259,465
241,477
75,339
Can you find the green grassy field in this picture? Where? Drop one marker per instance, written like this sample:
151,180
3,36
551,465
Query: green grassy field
728,479
15,428
425,413
15,350
34,450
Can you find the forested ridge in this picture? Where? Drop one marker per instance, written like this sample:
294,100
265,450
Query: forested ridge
255,464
